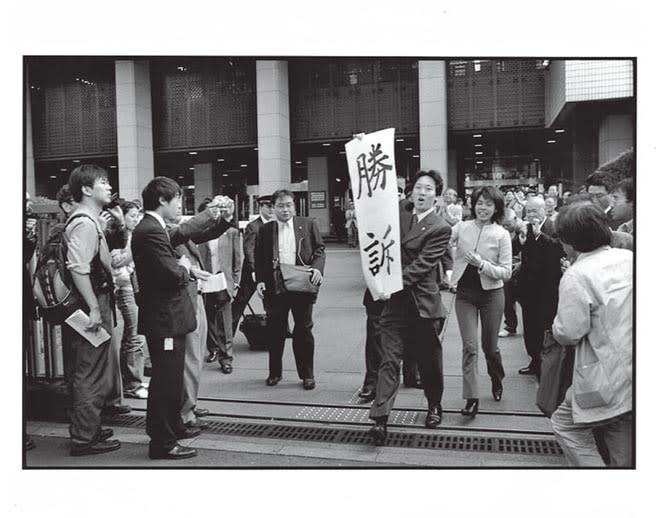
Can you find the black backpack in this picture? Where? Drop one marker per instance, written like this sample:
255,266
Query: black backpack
52,286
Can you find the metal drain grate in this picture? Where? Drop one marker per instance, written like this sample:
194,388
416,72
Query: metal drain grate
354,415
361,437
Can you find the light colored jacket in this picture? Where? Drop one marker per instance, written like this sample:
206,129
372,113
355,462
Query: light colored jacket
492,243
595,311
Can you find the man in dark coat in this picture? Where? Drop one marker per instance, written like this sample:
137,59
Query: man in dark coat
290,240
415,315
166,313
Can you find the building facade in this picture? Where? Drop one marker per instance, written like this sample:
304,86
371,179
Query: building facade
245,126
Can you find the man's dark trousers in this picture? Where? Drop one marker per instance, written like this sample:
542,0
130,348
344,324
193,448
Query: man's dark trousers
278,307
165,392
401,324
244,294
89,379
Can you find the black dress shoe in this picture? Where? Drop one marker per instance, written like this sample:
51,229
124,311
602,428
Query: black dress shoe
78,450
272,380
116,410
471,408
434,416
199,423
413,383
104,434
367,394
176,453
189,432
497,389
226,368
201,412
528,370
379,433
212,357
308,383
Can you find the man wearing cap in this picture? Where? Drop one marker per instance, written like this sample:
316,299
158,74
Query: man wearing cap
247,285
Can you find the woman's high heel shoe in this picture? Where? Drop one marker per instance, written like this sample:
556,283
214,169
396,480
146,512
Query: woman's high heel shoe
471,408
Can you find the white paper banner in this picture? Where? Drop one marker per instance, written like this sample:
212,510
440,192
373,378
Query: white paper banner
373,181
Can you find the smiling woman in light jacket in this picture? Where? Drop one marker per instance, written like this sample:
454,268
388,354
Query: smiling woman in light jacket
482,262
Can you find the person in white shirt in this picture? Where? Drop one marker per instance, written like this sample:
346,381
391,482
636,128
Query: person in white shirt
595,315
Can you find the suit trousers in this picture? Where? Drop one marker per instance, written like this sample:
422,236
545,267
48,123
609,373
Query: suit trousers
401,324
278,308
89,381
193,363
509,312
163,421
244,294
578,439
533,330
470,303
219,328
372,351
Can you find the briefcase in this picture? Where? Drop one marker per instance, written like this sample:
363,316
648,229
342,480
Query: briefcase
254,327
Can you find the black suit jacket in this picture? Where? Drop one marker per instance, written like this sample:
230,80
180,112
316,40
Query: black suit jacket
250,237
539,274
310,249
165,308
421,249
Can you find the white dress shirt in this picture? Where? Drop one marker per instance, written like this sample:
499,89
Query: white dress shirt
286,242
423,214
158,218
213,245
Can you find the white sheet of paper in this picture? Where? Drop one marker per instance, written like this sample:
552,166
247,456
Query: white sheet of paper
79,321
216,282
168,344
373,182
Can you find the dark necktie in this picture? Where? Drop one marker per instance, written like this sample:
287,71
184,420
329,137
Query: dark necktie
413,221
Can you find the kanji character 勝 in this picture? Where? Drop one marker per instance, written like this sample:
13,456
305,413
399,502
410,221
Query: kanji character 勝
372,169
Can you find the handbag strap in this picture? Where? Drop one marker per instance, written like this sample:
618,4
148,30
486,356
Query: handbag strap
251,308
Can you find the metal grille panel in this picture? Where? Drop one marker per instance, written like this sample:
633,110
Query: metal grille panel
204,103
465,443
73,108
331,99
492,94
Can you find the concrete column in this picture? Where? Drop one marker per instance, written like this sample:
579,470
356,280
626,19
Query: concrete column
432,117
615,136
273,142
134,127
30,180
451,178
203,183
318,182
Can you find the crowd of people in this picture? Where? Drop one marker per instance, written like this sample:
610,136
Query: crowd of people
565,258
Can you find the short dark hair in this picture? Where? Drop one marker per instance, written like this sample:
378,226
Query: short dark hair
64,196
493,194
583,197
584,226
159,187
600,179
437,178
129,205
627,187
84,176
279,194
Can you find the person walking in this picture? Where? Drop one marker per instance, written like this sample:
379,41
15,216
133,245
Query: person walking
483,261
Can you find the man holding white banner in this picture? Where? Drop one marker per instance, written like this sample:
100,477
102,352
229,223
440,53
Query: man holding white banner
413,314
